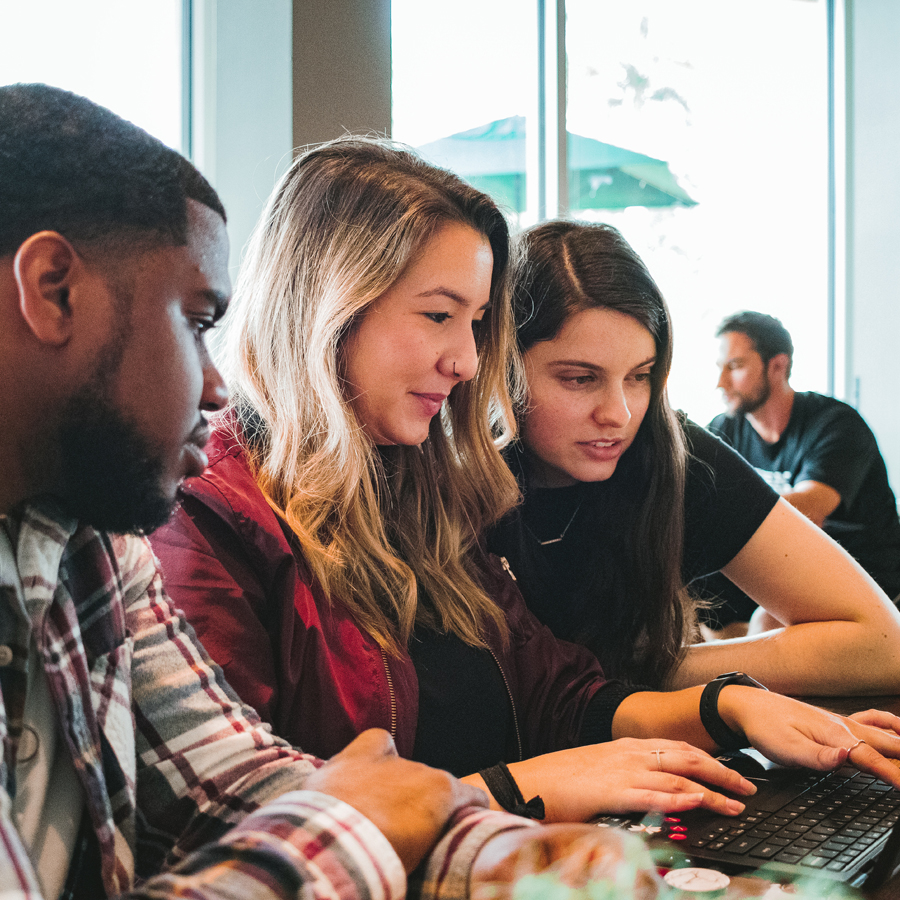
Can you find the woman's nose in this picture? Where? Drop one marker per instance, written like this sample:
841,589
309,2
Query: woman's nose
461,360
613,409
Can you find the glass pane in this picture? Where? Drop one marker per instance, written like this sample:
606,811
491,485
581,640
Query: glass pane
699,129
124,55
464,84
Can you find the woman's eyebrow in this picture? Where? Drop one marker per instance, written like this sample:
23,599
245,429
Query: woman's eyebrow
452,295
597,368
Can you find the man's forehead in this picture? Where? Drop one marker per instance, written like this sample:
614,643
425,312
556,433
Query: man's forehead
208,251
737,345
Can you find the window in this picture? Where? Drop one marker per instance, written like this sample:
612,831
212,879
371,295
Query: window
732,97
698,128
126,56
463,88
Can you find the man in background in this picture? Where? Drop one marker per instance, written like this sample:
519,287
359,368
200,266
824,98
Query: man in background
817,452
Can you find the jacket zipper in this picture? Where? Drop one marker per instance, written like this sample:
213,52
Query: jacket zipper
512,702
506,567
390,684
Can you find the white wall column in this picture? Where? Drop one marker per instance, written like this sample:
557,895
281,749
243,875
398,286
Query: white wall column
873,222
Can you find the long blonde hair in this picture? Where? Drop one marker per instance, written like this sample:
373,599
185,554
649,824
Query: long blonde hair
377,527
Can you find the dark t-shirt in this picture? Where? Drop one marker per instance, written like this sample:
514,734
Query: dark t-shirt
828,441
576,586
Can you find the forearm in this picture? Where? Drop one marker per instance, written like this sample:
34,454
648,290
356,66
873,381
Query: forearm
807,659
841,633
816,505
674,715
305,844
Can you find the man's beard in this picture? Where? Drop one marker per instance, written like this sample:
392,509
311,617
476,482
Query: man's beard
110,476
750,404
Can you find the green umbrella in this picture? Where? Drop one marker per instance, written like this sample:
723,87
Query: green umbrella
601,176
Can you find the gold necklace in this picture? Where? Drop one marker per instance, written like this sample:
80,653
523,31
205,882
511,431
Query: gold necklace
565,530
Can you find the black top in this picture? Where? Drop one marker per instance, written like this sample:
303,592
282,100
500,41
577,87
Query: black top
828,441
465,718
577,585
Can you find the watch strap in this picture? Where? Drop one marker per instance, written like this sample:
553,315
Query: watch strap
724,736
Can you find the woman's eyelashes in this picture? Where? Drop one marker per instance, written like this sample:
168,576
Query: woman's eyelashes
440,318
589,379
577,379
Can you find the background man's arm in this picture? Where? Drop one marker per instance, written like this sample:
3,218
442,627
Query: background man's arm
817,501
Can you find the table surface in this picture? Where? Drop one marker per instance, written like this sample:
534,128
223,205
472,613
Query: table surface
744,888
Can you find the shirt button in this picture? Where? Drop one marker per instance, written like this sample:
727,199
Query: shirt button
6,655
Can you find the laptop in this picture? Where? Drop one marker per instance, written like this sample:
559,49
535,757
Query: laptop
842,825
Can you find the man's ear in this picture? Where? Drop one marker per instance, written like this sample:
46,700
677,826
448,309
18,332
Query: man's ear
778,366
43,268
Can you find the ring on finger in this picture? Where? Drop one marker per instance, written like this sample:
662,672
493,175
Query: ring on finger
851,749
658,753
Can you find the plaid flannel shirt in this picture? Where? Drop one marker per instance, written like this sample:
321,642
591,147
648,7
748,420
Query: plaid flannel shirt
170,761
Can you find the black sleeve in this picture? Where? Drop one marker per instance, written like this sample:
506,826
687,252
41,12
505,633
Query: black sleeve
596,726
725,503
838,450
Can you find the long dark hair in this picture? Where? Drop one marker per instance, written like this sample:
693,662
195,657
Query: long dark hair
569,267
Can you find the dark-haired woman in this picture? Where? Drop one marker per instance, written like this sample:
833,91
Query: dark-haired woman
625,502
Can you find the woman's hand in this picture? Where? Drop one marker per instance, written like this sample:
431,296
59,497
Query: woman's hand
627,775
797,734
878,718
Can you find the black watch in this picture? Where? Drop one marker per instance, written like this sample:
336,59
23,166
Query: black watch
725,737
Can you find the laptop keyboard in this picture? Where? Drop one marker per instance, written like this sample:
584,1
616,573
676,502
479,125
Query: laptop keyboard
818,820
822,822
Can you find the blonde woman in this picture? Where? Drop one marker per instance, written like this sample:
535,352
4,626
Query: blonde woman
329,557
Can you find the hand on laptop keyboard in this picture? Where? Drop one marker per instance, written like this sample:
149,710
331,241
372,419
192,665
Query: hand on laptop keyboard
797,734
629,774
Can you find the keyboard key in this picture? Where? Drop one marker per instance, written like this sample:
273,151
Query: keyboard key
807,844
842,840
838,844
765,851
743,845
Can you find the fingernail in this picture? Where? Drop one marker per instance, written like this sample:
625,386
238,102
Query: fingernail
734,807
748,786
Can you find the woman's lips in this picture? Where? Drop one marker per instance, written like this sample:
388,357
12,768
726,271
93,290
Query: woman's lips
431,403
603,449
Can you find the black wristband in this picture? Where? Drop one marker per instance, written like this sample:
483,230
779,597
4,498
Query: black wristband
725,737
506,792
